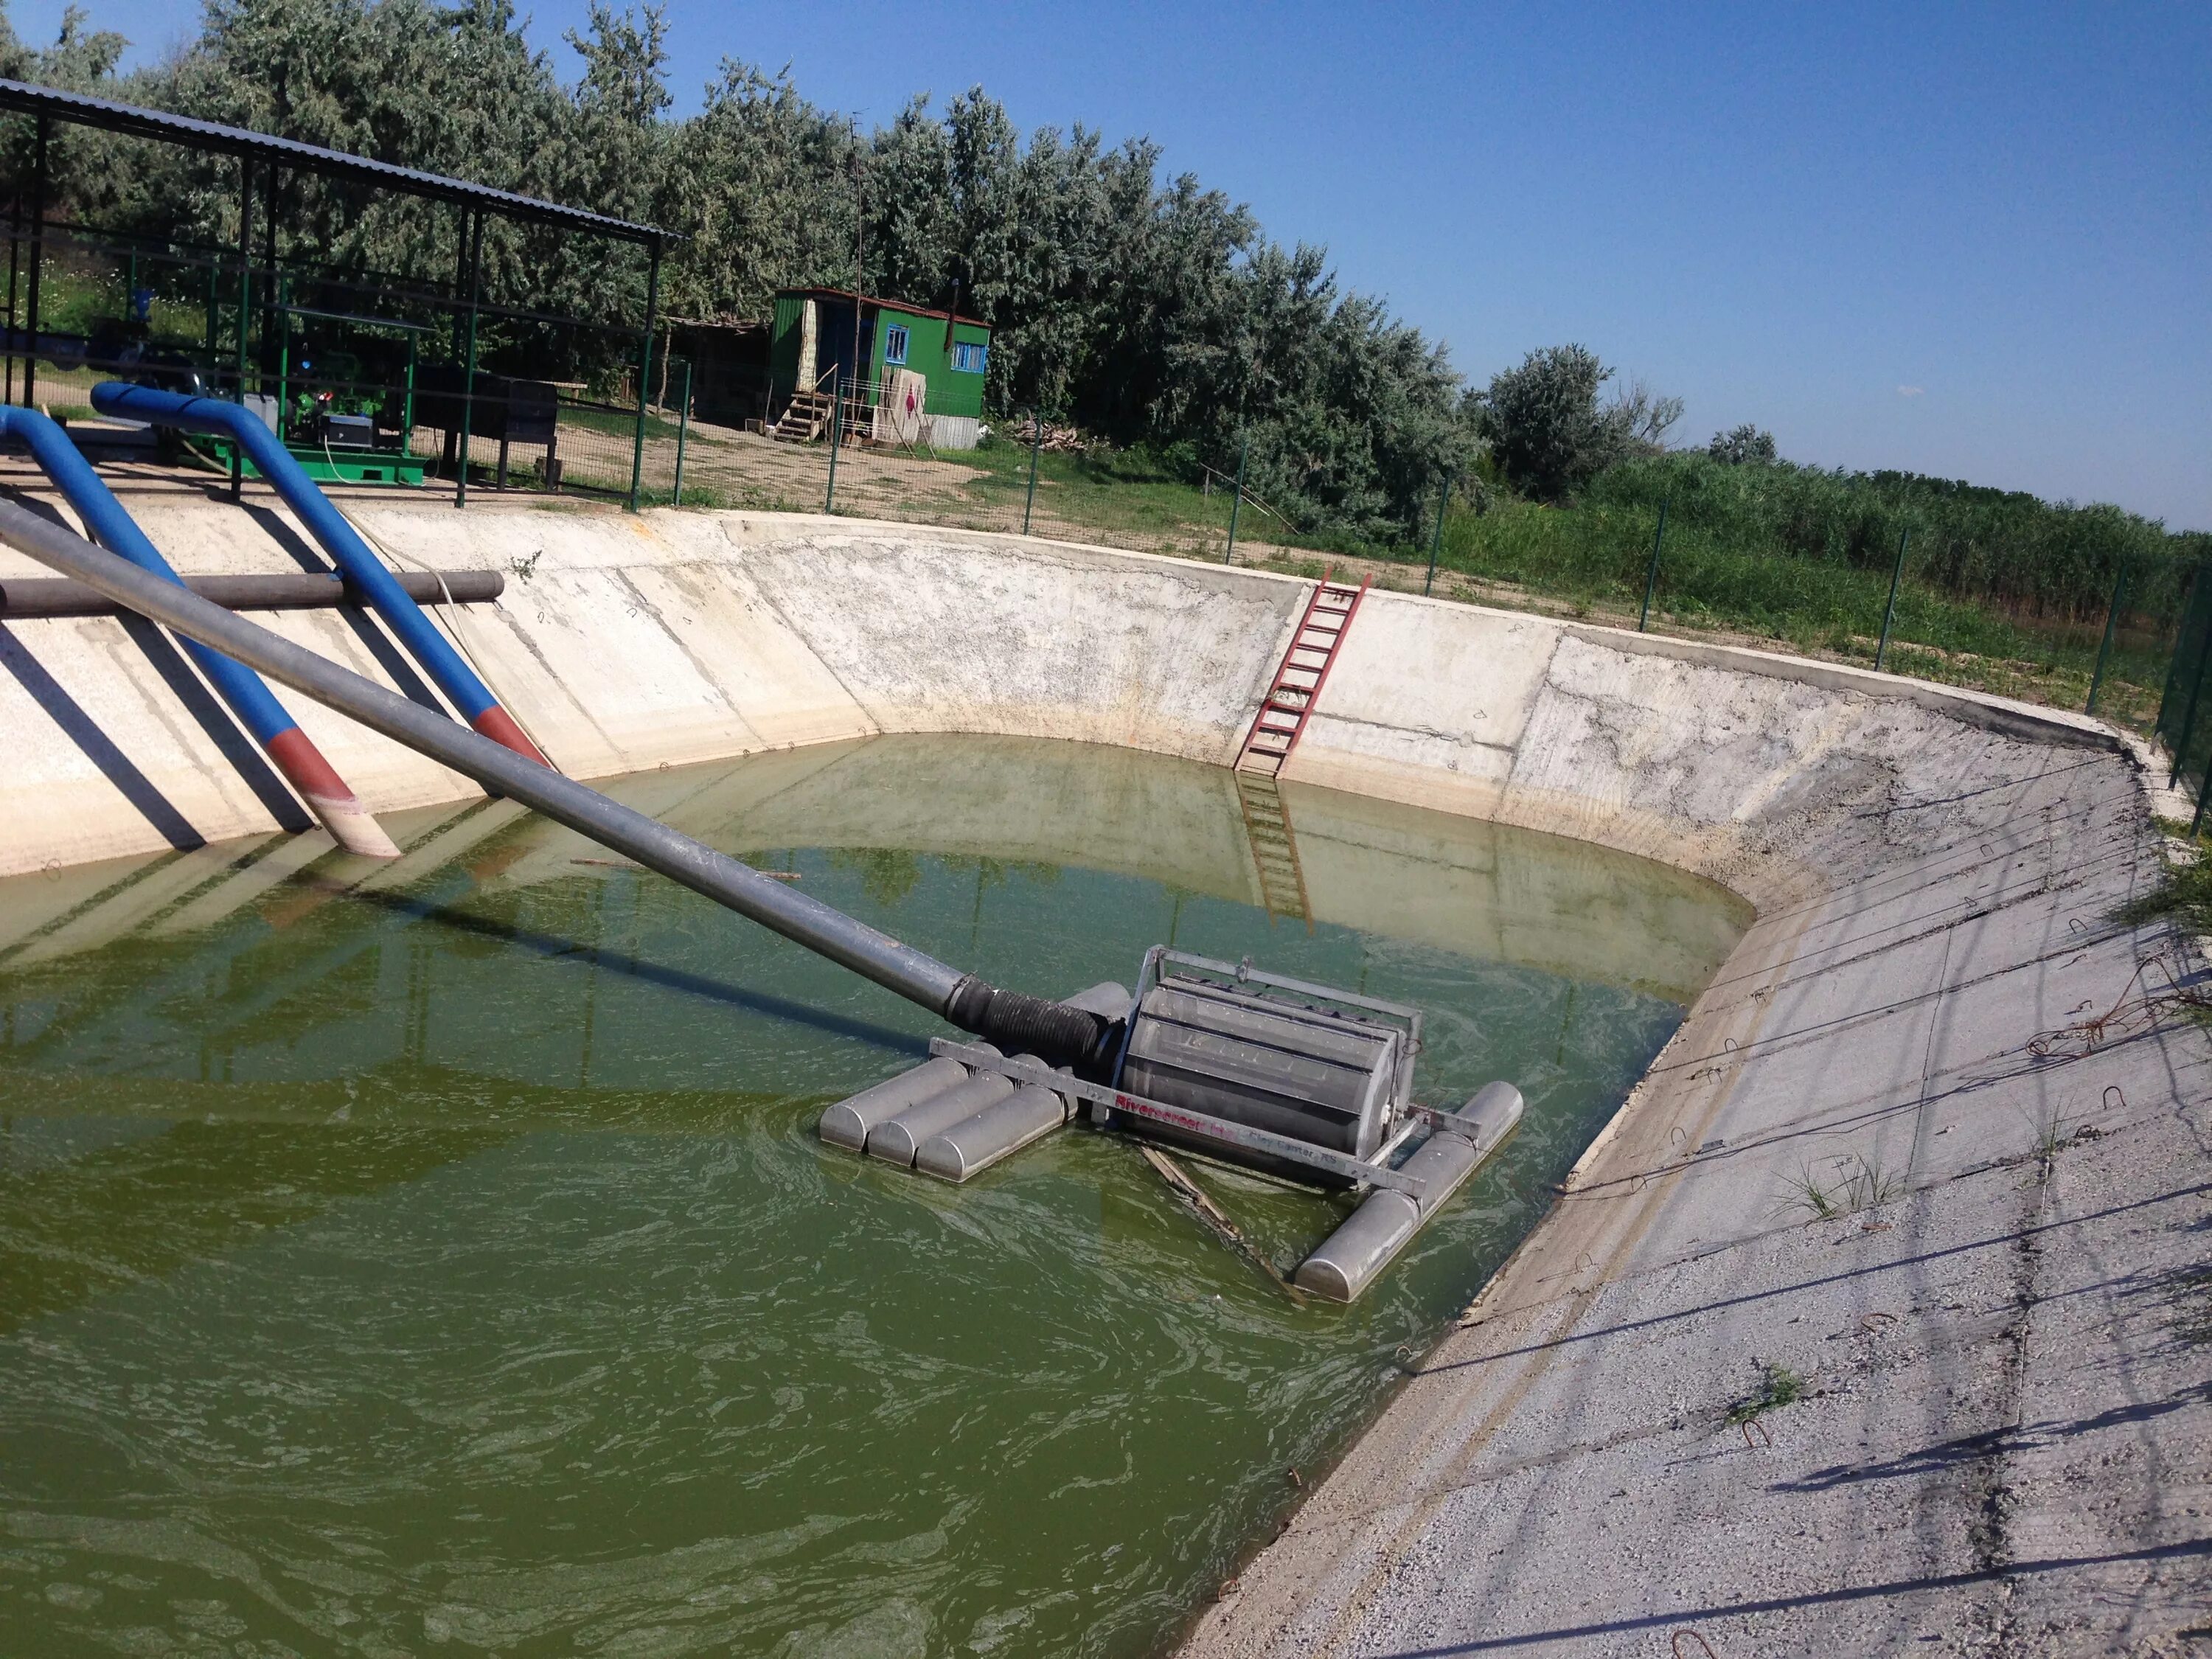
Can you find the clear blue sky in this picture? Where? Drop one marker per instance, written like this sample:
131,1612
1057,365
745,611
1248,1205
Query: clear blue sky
1964,239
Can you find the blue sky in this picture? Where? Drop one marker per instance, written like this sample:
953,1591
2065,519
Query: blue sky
1964,239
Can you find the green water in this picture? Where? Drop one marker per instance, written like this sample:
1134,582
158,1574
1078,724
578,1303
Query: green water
444,1259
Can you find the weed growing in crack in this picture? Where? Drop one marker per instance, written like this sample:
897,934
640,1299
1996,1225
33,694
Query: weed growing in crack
1857,1183
2183,892
1778,1386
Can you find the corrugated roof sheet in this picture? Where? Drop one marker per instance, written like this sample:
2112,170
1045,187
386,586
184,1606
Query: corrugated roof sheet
84,110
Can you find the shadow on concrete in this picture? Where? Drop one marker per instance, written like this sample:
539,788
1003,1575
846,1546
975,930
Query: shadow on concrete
223,730
2000,1241
83,731
1994,1443
2187,1549
365,627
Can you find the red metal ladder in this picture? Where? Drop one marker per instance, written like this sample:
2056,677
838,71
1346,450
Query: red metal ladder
1303,671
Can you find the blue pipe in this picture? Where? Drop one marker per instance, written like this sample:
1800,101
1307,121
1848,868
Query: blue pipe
338,538
255,705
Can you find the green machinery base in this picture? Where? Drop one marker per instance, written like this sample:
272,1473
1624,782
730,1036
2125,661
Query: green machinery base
349,467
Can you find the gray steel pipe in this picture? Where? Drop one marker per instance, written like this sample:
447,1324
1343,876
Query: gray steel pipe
876,956
55,596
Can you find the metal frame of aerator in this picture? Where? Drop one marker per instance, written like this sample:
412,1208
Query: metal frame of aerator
1363,1173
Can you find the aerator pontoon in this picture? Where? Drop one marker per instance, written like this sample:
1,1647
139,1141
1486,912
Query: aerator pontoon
1285,1078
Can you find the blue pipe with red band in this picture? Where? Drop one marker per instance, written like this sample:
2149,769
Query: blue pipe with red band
279,735
339,539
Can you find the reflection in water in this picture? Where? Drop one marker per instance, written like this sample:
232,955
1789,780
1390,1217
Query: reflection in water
443,1255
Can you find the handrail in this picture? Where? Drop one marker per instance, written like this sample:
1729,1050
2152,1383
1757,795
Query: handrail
289,749
339,539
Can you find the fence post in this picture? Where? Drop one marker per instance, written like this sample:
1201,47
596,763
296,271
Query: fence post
39,263
836,441
683,431
1243,448
474,227
1437,541
1037,442
245,302
1651,574
2188,715
2104,650
14,254
645,370
2203,789
1882,646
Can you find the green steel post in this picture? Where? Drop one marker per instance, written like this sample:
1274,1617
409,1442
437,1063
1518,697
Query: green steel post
14,254
472,235
836,441
1652,575
407,405
1037,442
645,372
245,309
1437,541
2104,650
283,354
683,430
1889,613
2188,715
1243,448
38,264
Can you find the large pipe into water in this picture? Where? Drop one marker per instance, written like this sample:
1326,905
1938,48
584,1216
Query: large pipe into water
338,538
1015,1021
288,748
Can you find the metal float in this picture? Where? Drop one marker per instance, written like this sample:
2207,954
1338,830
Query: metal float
1278,1076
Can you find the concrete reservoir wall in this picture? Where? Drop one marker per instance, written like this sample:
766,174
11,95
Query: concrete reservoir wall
1936,874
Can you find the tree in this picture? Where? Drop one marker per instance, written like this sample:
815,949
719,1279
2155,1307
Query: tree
1641,420
1150,309
1542,420
1743,445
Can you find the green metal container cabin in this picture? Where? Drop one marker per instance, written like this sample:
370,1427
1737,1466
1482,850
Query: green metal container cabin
892,335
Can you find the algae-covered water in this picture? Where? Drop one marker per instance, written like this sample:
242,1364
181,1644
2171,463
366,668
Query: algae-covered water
441,1257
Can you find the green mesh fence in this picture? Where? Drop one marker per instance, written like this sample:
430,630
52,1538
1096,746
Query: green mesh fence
2184,714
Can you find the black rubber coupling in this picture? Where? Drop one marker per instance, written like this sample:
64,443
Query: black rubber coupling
1022,1025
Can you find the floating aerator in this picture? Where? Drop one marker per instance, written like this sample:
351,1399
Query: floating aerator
1285,1078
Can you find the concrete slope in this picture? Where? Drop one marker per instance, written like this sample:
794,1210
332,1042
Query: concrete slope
1933,1143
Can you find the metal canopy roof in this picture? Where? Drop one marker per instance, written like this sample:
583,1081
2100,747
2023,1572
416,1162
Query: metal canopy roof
936,314
110,117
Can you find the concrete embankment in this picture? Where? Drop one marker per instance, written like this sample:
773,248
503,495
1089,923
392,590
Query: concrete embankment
1877,1315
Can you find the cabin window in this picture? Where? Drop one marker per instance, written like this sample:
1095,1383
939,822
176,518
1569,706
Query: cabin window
969,359
894,344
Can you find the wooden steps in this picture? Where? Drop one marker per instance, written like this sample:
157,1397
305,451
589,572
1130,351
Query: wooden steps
805,418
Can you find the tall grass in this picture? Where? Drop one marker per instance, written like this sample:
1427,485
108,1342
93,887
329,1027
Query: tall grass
2034,558
1805,557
